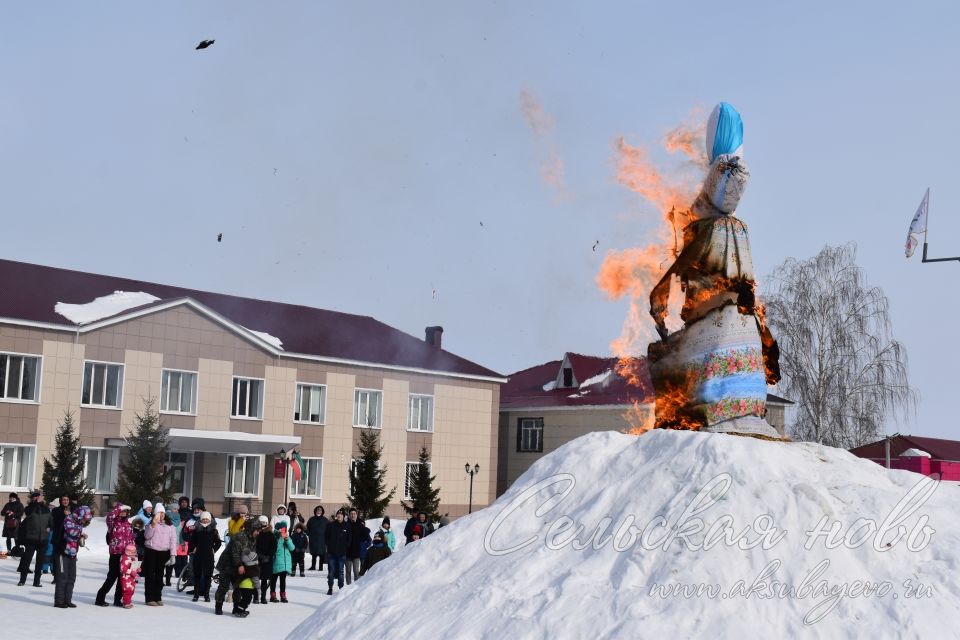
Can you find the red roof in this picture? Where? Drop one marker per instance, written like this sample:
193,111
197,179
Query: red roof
938,448
526,388
30,292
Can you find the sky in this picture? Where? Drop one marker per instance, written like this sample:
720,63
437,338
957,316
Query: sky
452,163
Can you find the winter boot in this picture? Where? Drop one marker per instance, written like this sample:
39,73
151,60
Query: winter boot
218,608
256,597
330,590
196,597
283,596
273,596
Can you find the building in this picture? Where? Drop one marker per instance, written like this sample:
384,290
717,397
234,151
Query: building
929,456
237,381
546,406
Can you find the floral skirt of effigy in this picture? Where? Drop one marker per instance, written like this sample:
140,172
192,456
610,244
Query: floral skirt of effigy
711,373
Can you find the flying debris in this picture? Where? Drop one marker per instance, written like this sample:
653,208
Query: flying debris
219,237
595,245
481,223
204,44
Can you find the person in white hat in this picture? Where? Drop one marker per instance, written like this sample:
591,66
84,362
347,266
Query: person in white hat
145,515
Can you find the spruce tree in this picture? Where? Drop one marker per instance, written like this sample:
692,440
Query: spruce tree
142,476
64,474
368,488
423,497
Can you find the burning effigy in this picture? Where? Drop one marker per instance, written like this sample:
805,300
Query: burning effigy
712,373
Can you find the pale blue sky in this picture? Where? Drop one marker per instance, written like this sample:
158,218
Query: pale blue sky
349,153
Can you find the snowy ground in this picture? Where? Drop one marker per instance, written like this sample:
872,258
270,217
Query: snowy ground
23,607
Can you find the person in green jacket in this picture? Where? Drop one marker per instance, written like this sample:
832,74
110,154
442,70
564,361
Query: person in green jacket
282,562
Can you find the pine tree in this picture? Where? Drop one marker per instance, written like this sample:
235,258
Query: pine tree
142,476
368,488
64,475
423,497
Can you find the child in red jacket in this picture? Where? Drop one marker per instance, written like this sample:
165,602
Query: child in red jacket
129,570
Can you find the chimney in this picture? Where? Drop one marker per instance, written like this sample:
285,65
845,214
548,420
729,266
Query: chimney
434,336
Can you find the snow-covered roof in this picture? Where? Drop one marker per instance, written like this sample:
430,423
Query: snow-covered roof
104,306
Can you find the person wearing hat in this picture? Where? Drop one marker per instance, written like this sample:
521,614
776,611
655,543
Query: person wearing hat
237,520
203,546
12,514
230,564
57,516
378,551
266,547
119,535
33,536
281,517
161,548
316,532
388,536
145,515
66,552
246,585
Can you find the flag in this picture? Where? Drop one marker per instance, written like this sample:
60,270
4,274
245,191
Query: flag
919,224
296,465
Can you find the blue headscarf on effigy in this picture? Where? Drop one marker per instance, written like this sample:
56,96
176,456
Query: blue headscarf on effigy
724,131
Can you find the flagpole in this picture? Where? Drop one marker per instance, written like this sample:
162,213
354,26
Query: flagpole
925,228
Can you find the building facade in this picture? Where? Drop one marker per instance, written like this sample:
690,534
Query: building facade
237,382
546,406
929,456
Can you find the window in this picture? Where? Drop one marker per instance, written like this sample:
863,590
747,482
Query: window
309,484
178,392
411,474
243,476
247,398
355,466
102,384
366,408
567,377
530,434
16,467
100,467
420,417
18,377
311,403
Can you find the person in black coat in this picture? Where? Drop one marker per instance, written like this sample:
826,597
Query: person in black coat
58,515
203,546
12,515
337,538
378,551
316,531
266,550
33,534
184,510
426,527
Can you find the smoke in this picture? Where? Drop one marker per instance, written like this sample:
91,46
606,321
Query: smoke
541,123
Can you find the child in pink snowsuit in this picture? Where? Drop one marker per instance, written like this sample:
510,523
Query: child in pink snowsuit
128,575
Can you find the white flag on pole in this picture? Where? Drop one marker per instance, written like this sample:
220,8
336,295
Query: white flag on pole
918,225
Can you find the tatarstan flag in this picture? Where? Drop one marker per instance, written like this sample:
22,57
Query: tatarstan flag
296,465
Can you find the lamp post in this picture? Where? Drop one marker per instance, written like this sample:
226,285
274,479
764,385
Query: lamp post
475,470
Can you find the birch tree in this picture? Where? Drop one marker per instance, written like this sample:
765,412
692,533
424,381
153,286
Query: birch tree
838,358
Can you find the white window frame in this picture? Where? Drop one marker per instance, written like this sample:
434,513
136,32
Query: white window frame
114,466
193,398
294,493
410,401
263,394
120,385
5,386
323,403
407,478
538,425
226,478
31,468
378,423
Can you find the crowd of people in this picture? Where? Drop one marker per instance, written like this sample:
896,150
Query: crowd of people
158,543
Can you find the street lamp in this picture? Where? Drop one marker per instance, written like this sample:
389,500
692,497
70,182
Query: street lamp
472,472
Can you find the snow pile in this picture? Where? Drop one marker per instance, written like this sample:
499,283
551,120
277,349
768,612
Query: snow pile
104,306
597,379
269,339
651,513
550,386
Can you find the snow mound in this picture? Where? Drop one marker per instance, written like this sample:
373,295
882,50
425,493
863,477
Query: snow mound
104,306
633,505
269,339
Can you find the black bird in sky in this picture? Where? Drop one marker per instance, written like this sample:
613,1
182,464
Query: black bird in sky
219,237
204,44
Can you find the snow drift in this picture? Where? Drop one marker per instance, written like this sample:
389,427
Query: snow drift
639,567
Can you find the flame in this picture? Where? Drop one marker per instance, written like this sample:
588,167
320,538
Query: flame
688,138
639,418
536,116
